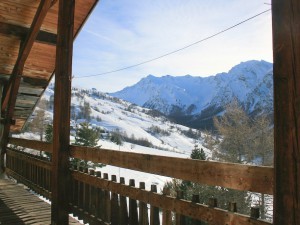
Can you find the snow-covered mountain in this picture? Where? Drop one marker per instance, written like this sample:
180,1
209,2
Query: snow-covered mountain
142,130
195,100
134,123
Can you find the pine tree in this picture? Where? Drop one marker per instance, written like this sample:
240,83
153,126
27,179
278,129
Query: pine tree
49,133
87,136
49,137
198,153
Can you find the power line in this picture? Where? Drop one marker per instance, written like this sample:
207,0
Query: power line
177,50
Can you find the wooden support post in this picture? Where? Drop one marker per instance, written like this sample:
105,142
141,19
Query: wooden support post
166,214
179,219
133,213
143,209
61,122
114,210
195,200
123,207
286,56
154,211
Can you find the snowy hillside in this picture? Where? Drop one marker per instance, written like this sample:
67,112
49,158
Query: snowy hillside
111,114
201,97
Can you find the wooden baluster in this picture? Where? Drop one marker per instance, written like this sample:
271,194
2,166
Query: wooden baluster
80,197
36,174
99,201
143,209
106,202
254,213
86,199
123,207
166,214
43,178
93,197
114,205
133,215
154,211
180,219
212,202
75,199
46,180
195,200
232,207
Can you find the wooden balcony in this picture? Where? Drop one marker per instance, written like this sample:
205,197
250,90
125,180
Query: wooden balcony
31,29
100,199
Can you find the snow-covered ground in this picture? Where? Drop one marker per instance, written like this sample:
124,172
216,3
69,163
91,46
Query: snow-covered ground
112,114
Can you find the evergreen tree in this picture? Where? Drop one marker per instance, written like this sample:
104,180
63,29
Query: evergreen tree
49,133
198,153
87,136
49,137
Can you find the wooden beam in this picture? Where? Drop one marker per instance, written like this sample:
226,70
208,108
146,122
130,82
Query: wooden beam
229,175
61,123
10,96
21,32
286,54
33,144
14,80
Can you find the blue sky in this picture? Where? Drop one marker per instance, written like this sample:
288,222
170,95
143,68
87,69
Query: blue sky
121,33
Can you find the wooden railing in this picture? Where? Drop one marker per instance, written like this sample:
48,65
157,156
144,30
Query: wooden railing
99,200
32,170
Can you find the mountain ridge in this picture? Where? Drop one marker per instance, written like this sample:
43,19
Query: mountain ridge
190,100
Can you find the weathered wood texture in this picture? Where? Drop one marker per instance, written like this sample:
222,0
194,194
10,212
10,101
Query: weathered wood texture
61,122
15,80
15,21
20,32
235,176
18,206
101,208
286,52
32,144
31,170
10,96
214,216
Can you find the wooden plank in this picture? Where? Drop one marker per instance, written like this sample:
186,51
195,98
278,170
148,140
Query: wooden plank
9,98
21,32
286,54
61,124
197,211
236,176
38,145
230,175
29,159
18,206
14,82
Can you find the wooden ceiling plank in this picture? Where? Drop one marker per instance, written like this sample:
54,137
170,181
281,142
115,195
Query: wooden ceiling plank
14,82
21,32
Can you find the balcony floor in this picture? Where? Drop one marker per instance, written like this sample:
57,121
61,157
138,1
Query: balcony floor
19,206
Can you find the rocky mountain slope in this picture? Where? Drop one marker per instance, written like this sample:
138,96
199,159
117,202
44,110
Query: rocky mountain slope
193,101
